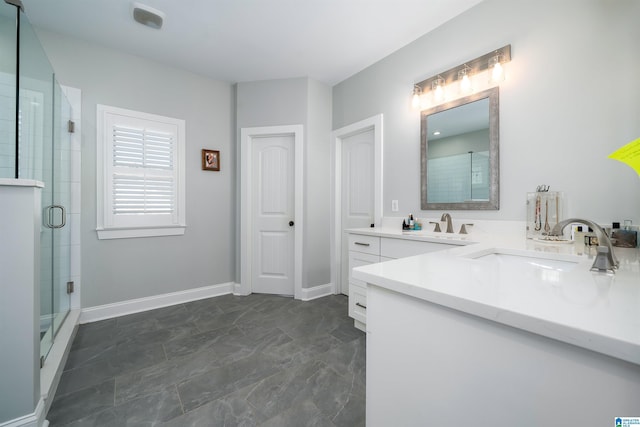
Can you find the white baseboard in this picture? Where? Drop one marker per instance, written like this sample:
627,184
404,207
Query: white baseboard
237,290
108,311
319,291
36,419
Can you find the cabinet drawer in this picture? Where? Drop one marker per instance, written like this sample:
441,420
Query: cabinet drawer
400,248
358,303
357,259
366,244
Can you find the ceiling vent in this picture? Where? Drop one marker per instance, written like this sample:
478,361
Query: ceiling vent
148,16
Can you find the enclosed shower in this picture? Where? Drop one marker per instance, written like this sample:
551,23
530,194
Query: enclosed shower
37,145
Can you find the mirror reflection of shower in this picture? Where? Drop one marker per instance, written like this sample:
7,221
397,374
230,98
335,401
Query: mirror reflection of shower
462,177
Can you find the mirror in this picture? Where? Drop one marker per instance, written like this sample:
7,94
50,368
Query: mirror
459,154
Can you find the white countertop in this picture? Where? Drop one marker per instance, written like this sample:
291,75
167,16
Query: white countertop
597,311
421,235
20,182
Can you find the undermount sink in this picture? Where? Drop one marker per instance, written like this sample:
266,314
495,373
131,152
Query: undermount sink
504,257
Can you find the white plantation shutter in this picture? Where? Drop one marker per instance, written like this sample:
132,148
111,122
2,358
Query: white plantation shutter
143,174
143,195
143,181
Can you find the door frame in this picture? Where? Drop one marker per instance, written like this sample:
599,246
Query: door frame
247,136
375,123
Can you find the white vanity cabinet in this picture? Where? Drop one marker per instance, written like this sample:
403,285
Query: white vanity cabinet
363,250
367,249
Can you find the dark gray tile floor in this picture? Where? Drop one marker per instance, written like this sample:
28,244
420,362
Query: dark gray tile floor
260,360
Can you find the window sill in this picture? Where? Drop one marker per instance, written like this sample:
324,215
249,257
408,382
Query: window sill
129,233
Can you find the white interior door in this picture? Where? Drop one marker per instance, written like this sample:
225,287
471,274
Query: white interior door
272,192
357,188
357,153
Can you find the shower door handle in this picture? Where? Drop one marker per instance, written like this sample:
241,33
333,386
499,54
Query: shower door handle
49,216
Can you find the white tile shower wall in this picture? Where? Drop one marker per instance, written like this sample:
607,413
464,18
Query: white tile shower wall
480,178
7,125
454,178
449,178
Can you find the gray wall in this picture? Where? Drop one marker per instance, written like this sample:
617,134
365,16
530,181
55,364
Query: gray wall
271,103
306,102
317,266
123,269
570,99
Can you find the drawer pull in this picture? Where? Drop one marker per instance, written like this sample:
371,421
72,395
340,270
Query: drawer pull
362,306
362,244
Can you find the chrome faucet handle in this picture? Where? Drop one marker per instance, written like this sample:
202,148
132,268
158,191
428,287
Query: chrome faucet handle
436,229
463,229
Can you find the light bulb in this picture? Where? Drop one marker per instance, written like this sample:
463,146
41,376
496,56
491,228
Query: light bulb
415,101
437,87
498,73
465,82
439,93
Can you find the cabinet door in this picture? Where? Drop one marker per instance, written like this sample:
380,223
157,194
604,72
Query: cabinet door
358,304
358,259
364,243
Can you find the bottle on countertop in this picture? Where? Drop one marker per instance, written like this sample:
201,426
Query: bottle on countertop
624,237
411,222
578,234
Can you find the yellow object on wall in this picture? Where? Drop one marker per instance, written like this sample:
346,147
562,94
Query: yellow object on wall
629,154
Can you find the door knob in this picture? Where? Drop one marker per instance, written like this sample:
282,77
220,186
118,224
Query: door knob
291,223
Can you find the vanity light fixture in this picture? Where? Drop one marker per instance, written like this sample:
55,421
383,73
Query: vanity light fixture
467,76
437,86
465,81
415,100
147,15
436,133
496,74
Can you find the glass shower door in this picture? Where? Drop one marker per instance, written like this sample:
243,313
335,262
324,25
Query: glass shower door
56,234
61,187
45,155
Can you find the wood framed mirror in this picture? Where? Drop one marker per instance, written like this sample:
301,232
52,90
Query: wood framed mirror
459,154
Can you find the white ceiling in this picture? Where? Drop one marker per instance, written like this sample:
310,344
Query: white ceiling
248,40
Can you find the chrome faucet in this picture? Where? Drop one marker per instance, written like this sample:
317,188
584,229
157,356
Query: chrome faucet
605,259
447,217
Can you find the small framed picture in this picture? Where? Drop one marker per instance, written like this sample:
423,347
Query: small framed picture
210,160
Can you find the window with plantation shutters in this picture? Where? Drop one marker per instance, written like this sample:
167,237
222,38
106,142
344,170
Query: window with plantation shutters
141,185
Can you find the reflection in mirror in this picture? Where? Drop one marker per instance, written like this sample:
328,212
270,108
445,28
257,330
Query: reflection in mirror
459,154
